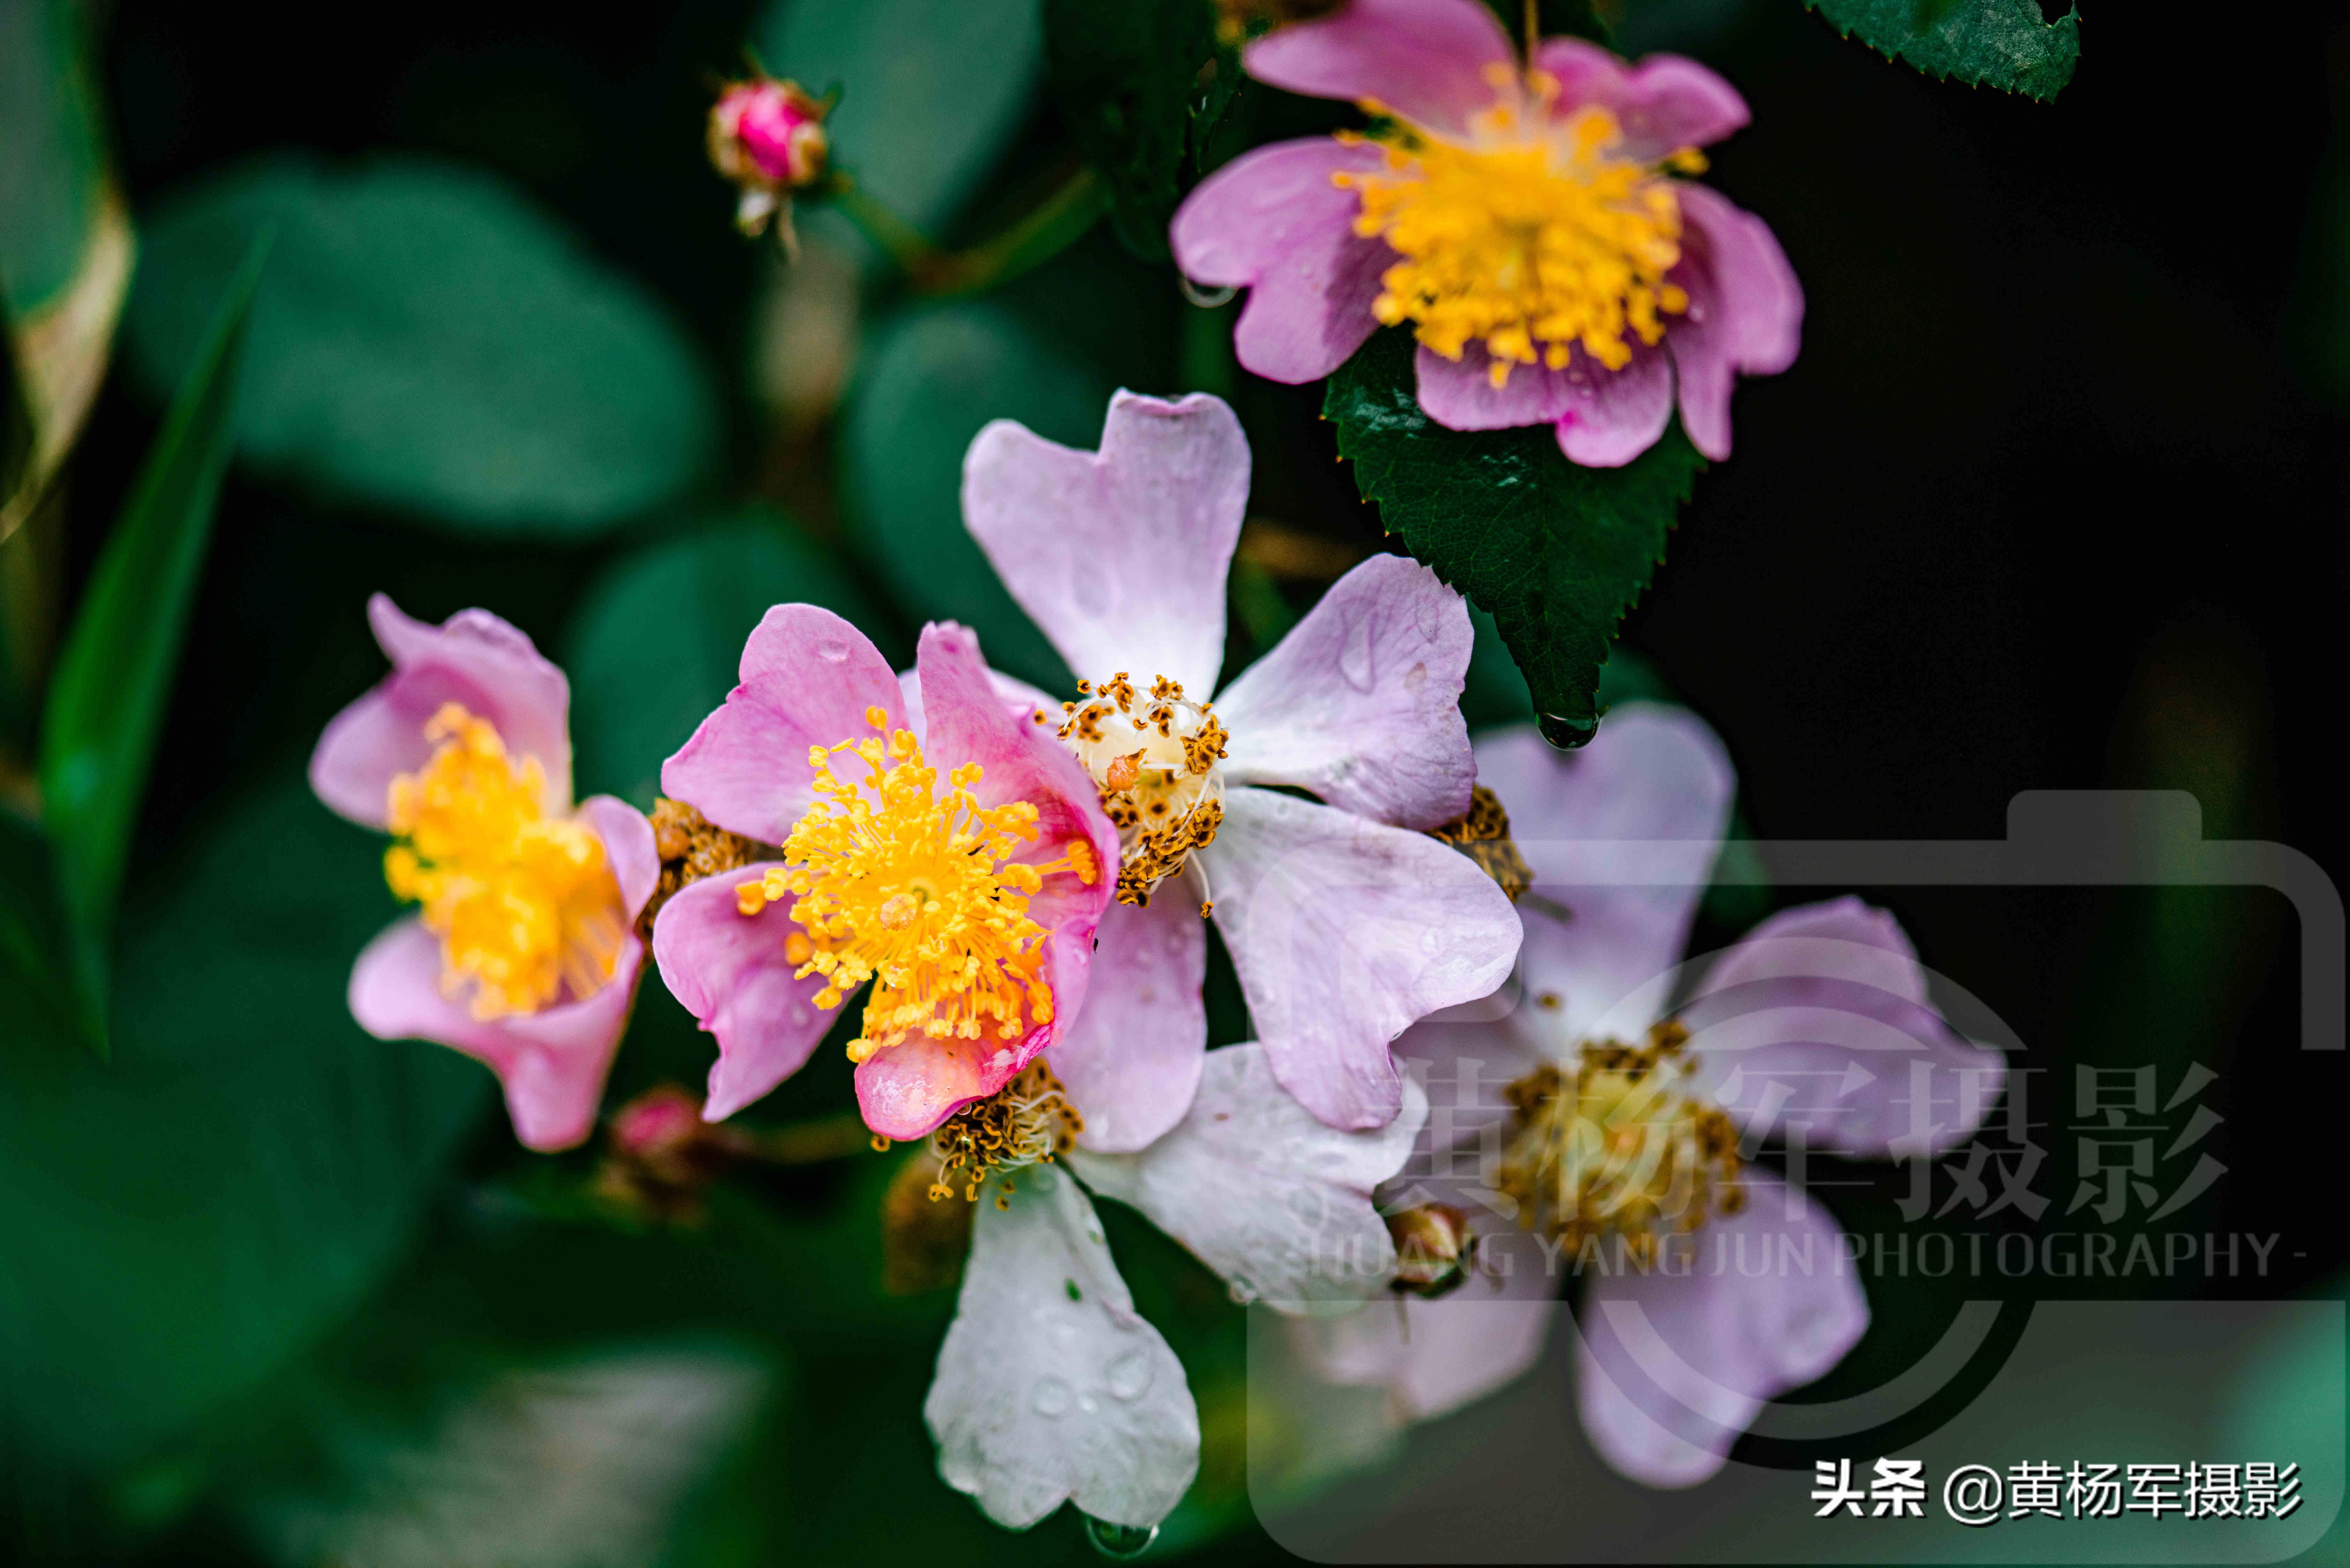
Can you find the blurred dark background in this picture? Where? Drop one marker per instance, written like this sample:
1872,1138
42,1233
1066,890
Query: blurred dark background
2055,498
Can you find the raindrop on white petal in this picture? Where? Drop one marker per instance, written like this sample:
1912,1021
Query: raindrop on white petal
1355,660
1129,1375
1051,1399
1244,1289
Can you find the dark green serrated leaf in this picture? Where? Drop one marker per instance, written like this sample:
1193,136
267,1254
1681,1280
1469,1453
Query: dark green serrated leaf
430,342
657,638
114,677
183,1220
1556,552
2002,43
1134,84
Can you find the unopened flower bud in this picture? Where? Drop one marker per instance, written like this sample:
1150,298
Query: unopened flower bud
767,137
1434,1248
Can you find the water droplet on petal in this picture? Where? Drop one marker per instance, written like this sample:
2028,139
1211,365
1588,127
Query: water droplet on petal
1129,1375
1243,1289
1051,1399
1119,1541
1355,660
833,652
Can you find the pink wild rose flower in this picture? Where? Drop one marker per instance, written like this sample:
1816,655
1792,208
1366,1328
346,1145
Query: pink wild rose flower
1346,922
523,954
1620,1126
1528,218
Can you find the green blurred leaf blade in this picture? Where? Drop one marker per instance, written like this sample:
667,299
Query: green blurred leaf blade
1557,553
106,703
1128,80
658,638
430,344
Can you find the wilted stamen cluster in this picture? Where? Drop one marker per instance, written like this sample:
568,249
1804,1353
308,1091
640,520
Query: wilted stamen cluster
691,848
1154,758
524,904
917,892
1618,1144
1536,237
1483,834
1029,1121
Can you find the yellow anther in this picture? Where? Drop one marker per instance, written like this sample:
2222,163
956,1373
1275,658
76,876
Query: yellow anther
751,898
917,892
877,716
1534,238
525,905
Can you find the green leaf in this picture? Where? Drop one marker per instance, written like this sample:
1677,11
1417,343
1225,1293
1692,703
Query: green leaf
931,94
2003,44
1129,82
429,342
51,179
183,1220
656,641
36,996
930,379
106,702
1555,551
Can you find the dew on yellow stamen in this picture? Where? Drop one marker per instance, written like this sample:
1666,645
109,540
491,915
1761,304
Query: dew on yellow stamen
1534,238
1615,1141
916,890
524,904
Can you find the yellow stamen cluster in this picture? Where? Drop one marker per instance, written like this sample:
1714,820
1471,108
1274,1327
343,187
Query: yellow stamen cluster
1029,1121
524,904
1619,1143
917,891
1155,760
1535,237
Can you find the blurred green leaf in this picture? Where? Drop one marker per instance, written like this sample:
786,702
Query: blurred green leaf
1556,552
51,180
2003,44
36,995
930,379
931,94
185,1219
655,643
430,342
106,702
1129,79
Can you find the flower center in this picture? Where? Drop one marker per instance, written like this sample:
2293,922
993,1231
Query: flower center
917,892
1029,1121
1619,1143
1535,237
524,904
1154,759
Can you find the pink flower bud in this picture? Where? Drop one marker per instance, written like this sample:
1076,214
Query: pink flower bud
768,135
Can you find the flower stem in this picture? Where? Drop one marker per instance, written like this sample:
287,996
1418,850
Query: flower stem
1051,226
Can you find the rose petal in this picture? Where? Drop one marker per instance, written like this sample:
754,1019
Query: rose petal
1671,1368
1050,1387
551,1063
1345,931
1130,1059
1272,1200
1605,417
1818,1020
473,658
1661,105
1623,835
627,840
1436,1356
1273,222
1427,61
1119,556
808,677
1360,703
729,971
1745,314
